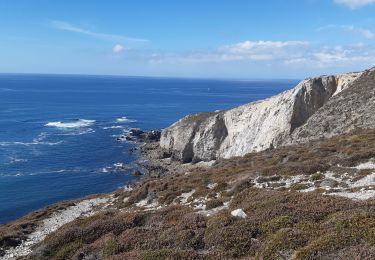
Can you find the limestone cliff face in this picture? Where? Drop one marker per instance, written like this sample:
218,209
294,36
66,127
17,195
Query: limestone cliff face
253,127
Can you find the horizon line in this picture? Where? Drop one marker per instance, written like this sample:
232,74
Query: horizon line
152,77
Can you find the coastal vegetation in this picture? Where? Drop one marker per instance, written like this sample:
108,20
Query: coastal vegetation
189,215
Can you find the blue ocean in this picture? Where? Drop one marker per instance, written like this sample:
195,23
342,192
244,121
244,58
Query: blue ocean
58,133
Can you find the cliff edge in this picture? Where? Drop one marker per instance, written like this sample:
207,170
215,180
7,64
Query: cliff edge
297,115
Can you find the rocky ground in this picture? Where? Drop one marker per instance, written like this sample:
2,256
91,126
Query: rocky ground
57,219
156,163
308,201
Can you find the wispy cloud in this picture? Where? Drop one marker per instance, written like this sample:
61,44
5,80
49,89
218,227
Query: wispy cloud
65,26
275,53
366,33
257,51
355,4
255,46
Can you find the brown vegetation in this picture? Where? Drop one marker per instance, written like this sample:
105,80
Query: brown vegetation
280,224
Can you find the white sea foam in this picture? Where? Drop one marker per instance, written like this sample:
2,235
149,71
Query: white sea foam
124,119
113,127
16,160
75,124
64,171
11,175
118,165
78,132
29,143
41,137
39,140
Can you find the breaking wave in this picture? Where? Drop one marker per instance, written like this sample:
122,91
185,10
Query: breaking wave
124,119
75,124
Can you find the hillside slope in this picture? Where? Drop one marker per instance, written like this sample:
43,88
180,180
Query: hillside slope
287,203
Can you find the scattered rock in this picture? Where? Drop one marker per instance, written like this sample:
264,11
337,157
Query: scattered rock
136,132
238,213
128,188
56,220
122,138
330,183
122,166
212,186
152,136
137,173
133,150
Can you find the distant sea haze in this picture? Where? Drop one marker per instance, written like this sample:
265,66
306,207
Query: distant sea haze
58,134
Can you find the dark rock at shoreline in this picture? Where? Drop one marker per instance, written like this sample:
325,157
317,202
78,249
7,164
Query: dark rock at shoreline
153,135
133,150
137,173
136,134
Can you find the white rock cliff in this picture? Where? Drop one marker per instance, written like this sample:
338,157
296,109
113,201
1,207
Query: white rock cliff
252,127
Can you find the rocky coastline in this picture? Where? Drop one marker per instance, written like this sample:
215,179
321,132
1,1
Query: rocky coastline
32,229
290,177
289,189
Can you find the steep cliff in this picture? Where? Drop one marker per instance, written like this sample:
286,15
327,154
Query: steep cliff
256,126
353,108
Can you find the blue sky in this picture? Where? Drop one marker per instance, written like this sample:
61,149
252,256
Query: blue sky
187,38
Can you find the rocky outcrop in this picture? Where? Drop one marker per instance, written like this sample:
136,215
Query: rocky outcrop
256,126
136,134
195,138
353,108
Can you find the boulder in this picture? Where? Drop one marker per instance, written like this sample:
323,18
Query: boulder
239,213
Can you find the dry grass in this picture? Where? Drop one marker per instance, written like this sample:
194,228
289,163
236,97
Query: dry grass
237,174
280,224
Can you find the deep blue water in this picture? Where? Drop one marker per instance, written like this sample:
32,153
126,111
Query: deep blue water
58,133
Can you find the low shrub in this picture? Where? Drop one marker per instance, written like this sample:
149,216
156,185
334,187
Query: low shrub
214,203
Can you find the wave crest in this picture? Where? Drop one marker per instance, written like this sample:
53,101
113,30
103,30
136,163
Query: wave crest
124,119
76,124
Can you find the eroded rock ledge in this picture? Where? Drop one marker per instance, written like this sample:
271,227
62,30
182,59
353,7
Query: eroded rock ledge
253,127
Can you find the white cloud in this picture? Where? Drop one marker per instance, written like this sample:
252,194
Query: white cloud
295,54
118,48
257,51
339,56
65,26
250,46
366,33
355,4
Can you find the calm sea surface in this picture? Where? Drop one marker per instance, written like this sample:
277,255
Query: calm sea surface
58,133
